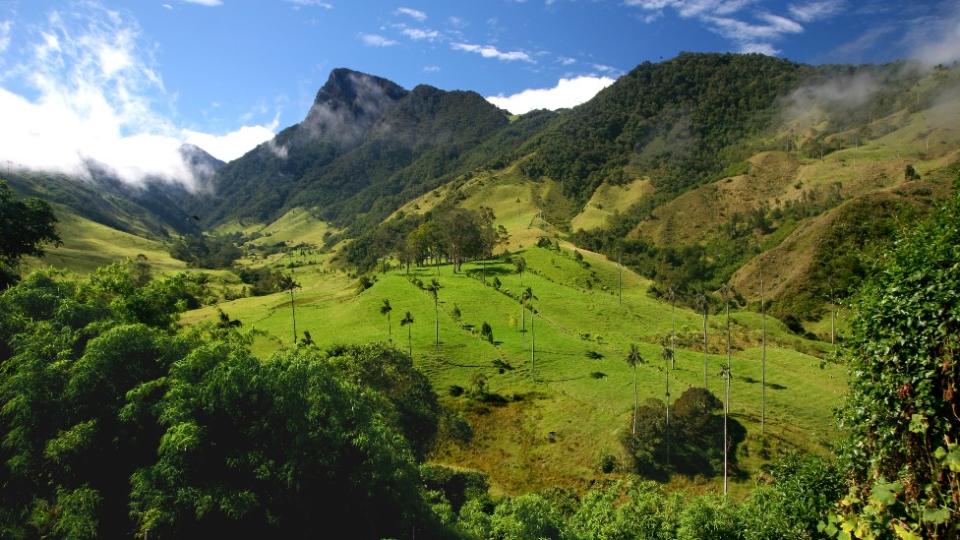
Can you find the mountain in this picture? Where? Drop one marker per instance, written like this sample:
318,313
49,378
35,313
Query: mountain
692,170
365,146
155,208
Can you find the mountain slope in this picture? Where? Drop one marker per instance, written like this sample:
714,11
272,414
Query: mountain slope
365,147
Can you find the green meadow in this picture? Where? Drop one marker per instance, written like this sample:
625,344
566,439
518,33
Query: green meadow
556,420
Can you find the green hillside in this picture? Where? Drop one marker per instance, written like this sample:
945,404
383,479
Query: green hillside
566,416
699,172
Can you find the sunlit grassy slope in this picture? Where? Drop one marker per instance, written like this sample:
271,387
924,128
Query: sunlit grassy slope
560,418
88,245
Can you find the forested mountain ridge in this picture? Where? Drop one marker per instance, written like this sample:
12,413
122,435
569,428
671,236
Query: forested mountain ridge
687,169
365,146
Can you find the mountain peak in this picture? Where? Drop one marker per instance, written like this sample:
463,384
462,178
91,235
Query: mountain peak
347,86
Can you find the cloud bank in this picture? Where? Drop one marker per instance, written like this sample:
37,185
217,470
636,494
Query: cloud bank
567,93
85,93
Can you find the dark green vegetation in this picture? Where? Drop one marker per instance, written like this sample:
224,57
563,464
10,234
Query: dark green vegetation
115,423
901,414
692,442
123,425
26,225
681,119
366,147
447,233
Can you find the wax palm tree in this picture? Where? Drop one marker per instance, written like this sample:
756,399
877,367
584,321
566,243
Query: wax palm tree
287,283
667,355
526,299
726,372
633,359
434,289
385,309
408,322
672,294
704,304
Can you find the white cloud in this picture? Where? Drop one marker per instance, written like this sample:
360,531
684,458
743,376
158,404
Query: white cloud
431,69
936,39
489,51
5,28
166,6
92,99
231,145
724,17
310,3
419,34
208,3
376,40
819,9
603,68
412,13
567,93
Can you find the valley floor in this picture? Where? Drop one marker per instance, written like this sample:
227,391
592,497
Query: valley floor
555,424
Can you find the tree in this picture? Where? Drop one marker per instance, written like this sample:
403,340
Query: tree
672,294
667,355
527,299
385,309
28,226
633,359
726,373
408,322
520,264
704,304
434,288
486,332
287,283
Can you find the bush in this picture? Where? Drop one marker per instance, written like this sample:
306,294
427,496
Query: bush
900,417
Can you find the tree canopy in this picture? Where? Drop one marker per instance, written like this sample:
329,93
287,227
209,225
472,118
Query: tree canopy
28,226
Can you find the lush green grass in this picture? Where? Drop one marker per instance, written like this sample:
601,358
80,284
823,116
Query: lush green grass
88,245
559,420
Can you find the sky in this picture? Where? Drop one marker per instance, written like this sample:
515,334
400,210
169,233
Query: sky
125,83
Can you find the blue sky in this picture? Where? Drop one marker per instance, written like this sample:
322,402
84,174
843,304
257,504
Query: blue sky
226,74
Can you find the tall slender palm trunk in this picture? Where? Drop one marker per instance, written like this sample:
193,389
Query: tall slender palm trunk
705,346
726,406
636,400
533,347
763,361
293,311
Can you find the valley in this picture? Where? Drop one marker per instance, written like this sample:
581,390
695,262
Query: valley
518,259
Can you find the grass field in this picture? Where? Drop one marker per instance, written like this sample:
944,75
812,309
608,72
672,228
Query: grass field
559,420
88,245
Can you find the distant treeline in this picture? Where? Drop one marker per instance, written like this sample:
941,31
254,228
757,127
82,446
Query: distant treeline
446,233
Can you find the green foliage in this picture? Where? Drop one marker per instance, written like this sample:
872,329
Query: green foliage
274,447
262,281
486,332
457,485
448,232
28,225
673,118
694,444
411,405
900,414
207,251
116,422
